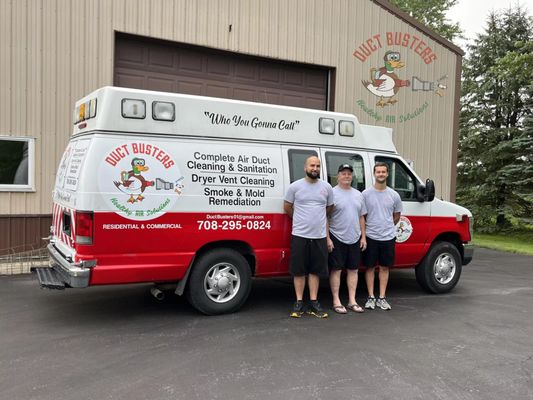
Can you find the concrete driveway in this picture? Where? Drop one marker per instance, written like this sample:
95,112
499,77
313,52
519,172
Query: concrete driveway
120,343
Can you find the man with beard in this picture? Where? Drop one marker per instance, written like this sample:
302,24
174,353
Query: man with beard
308,201
383,206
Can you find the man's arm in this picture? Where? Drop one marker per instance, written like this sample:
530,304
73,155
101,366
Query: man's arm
362,224
396,217
329,242
329,210
288,208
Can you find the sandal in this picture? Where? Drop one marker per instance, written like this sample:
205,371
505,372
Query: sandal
355,308
340,309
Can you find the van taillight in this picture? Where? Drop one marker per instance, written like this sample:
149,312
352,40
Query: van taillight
84,227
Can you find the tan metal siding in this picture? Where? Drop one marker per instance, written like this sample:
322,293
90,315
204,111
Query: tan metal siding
5,83
55,51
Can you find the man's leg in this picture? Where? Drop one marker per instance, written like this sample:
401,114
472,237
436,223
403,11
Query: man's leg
299,286
383,281
334,284
351,281
386,257
315,308
313,283
318,263
369,278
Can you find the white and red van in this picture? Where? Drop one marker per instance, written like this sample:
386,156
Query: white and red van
187,192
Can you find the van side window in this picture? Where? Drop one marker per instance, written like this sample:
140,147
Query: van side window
400,179
334,159
297,161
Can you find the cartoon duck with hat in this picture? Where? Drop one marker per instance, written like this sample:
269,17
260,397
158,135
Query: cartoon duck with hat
132,182
384,82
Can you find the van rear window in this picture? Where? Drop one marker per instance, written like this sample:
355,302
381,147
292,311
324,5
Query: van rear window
296,162
334,159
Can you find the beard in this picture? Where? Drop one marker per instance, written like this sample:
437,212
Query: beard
312,175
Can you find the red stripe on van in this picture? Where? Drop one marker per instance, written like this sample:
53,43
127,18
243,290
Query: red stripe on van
162,249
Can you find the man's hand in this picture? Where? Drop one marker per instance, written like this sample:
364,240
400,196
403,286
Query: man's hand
330,244
363,244
396,217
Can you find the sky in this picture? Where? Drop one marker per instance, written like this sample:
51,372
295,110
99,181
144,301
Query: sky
472,14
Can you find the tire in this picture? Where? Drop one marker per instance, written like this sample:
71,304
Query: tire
440,269
220,282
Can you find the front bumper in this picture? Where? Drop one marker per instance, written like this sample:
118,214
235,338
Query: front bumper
468,253
75,275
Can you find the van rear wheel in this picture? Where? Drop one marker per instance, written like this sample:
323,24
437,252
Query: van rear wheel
220,282
440,269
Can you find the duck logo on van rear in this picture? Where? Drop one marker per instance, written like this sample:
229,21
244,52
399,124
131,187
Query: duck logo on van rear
140,181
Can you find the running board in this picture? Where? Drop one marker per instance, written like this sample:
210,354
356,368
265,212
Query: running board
48,278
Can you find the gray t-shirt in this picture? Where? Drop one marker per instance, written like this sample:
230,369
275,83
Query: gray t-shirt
309,201
344,221
380,205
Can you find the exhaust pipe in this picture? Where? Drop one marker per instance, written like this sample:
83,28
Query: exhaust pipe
158,294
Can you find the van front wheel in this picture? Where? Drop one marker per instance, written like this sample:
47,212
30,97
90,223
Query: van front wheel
220,282
440,269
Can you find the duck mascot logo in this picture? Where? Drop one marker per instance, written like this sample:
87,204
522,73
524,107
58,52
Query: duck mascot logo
145,181
387,80
384,82
132,182
404,229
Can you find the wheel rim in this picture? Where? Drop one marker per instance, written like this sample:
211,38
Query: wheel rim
444,268
222,282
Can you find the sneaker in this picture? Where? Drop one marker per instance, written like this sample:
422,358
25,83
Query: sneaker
297,309
370,303
316,309
383,303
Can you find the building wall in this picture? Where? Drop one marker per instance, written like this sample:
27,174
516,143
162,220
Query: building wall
53,52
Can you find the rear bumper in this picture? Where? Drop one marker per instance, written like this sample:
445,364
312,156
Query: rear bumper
76,275
468,253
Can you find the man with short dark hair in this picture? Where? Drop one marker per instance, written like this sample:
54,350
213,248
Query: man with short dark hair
307,202
384,207
346,238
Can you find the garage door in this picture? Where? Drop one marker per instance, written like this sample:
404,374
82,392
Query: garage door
143,63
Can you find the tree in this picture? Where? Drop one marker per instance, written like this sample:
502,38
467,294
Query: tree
495,171
431,13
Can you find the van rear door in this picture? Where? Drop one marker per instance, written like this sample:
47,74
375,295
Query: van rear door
65,194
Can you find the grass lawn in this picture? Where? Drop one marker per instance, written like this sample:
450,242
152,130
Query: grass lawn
516,241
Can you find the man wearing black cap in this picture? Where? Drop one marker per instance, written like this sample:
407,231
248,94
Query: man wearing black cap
346,238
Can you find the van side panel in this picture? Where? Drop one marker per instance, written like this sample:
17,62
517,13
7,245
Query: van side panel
411,251
442,225
162,249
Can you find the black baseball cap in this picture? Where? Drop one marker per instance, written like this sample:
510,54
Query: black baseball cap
345,166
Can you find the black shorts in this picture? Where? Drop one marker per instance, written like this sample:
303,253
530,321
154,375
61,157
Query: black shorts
379,252
308,256
344,255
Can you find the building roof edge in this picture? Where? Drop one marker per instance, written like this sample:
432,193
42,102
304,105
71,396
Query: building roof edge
418,25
